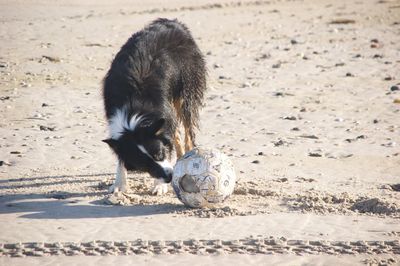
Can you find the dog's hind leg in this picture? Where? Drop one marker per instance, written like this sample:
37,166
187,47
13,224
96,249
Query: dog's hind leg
194,86
188,139
120,183
178,144
177,137
184,115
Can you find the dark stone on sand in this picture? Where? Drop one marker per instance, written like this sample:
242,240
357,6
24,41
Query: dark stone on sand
395,187
4,98
394,88
53,59
279,143
290,117
278,65
314,154
342,21
256,162
45,128
309,136
348,74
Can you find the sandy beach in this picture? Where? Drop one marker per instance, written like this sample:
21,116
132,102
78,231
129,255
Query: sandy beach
303,96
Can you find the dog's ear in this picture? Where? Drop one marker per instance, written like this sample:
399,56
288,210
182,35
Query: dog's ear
157,127
111,142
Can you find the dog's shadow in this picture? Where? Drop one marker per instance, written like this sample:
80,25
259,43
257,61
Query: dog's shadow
66,205
38,207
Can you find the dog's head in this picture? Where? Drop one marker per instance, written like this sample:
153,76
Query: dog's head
142,143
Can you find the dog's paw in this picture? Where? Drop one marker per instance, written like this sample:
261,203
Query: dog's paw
159,187
117,188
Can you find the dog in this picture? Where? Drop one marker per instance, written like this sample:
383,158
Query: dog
156,84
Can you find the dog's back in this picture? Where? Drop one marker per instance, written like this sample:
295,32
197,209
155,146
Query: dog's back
157,66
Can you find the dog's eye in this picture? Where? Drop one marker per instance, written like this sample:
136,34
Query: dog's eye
159,156
156,149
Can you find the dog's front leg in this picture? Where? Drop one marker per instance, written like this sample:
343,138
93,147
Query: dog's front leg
159,187
120,183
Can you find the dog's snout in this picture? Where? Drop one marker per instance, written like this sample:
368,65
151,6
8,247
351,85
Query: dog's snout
168,174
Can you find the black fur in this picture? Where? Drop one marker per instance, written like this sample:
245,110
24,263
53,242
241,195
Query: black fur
156,67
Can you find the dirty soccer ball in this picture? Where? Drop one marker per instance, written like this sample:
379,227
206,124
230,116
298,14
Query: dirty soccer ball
203,178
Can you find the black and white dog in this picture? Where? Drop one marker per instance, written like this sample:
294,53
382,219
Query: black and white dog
156,82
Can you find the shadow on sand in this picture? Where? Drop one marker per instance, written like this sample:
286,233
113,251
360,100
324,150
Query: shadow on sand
41,207
70,205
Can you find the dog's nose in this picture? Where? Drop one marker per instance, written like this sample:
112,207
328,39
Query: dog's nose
168,174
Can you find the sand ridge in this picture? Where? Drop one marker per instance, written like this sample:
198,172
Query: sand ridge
250,246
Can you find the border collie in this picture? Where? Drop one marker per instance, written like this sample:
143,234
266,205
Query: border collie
155,83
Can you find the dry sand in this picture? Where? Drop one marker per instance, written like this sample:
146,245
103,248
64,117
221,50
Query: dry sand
303,95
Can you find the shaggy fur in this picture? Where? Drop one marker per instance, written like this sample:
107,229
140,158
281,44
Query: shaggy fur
156,81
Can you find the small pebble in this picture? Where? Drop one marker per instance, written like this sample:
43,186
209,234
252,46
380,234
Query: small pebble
292,117
45,128
394,88
389,144
395,187
279,143
37,115
5,163
278,65
314,154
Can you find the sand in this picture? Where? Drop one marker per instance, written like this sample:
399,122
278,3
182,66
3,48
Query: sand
302,95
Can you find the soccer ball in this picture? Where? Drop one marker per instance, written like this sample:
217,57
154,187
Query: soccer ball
203,178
